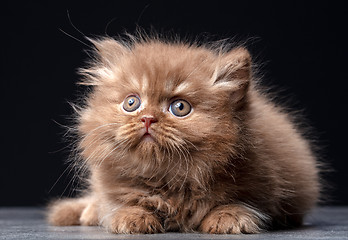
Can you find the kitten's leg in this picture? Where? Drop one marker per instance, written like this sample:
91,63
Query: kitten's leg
89,216
133,219
68,212
233,219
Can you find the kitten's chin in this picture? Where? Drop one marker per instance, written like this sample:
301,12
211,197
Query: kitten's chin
148,149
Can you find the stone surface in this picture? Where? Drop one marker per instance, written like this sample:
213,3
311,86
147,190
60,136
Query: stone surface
29,223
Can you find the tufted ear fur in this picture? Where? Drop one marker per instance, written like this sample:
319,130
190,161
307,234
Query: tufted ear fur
108,50
108,53
233,74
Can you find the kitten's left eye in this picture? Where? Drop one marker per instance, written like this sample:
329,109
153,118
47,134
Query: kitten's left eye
131,103
180,108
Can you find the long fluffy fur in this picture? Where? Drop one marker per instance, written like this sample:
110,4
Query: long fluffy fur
236,164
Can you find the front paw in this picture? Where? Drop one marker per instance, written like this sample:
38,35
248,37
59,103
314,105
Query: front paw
133,220
158,205
233,219
89,216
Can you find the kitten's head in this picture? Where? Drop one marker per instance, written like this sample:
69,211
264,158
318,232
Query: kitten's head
157,106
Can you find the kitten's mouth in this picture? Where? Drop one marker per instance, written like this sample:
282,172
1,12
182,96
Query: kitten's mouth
148,137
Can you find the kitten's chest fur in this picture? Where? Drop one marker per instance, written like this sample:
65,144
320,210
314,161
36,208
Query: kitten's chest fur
184,199
189,202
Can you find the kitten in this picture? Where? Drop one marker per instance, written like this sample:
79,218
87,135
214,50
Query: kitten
176,137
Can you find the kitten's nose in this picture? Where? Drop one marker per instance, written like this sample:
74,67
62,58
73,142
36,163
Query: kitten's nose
148,120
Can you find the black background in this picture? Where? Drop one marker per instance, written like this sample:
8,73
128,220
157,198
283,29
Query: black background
301,46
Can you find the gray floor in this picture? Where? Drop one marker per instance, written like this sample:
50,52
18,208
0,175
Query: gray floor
28,223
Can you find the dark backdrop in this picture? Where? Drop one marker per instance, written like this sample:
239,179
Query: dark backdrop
301,44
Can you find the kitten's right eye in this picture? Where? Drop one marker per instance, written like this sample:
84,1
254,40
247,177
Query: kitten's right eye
131,103
180,108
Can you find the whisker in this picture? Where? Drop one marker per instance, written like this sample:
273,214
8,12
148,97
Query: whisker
108,154
95,129
69,35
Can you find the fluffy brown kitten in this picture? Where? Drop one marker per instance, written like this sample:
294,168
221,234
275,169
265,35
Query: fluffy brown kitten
176,137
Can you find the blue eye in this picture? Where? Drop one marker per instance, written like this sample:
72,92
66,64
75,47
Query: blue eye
180,108
131,103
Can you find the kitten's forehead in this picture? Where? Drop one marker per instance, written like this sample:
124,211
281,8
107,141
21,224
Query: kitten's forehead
165,70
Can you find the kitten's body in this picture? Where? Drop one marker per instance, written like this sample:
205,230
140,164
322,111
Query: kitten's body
235,164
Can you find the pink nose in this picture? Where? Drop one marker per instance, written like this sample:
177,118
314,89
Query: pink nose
148,120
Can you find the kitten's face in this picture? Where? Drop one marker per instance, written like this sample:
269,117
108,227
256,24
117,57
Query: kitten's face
159,104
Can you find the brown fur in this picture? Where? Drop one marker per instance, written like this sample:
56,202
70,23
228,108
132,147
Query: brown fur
236,164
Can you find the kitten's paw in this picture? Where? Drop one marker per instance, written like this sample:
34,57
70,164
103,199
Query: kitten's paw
89,216
233,219
157,204
65,212
130,220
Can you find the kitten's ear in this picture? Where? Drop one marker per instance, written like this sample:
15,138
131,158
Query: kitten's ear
108,49
233,73
108,52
